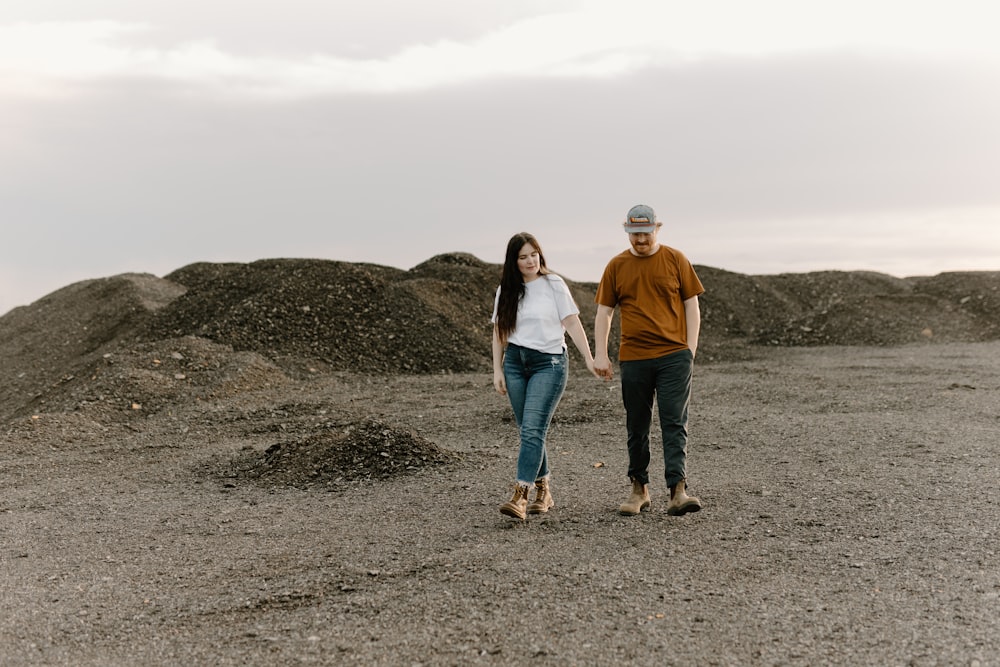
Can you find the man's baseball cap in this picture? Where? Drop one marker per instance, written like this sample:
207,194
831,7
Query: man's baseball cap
640,220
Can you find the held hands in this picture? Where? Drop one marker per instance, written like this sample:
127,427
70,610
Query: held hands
601,367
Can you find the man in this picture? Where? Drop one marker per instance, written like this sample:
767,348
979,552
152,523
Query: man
657,290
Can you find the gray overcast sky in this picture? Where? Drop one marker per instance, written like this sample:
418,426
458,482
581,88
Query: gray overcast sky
770,136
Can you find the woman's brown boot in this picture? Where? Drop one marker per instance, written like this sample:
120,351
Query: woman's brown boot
543,498
518,503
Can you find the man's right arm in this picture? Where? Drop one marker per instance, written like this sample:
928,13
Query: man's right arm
602,329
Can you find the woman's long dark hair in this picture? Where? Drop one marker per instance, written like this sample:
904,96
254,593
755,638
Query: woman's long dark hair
512,283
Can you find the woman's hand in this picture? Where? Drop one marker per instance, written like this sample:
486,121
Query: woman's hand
602,367
499,383
593,370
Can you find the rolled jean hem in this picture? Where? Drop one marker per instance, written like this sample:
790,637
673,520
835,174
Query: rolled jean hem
543,477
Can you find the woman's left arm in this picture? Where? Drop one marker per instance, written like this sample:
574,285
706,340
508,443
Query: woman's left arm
575,330
499,382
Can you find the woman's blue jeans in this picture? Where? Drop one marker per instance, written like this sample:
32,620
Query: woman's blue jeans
535,383
669,380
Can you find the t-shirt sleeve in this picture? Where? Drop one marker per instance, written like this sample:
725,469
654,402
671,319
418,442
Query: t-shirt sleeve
606,295
496,306
690,283
565,305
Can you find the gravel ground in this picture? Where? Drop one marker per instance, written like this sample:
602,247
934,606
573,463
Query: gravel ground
851,517
301,461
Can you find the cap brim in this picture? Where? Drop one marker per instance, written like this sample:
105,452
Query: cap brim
640,229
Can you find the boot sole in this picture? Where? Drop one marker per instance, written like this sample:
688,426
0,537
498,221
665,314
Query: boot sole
644,508
540,510
683,509
514,514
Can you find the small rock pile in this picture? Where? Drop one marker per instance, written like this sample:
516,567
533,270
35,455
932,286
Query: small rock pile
366,450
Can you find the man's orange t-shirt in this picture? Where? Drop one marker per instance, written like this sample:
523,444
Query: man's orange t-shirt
650,292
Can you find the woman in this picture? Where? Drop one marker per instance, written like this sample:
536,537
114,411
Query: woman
532,312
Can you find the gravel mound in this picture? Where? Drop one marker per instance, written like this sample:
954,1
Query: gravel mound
847,308
975,295
106,345
362,451
133,382
358,317
43,345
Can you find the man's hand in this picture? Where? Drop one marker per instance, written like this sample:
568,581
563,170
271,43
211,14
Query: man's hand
602,328
602,366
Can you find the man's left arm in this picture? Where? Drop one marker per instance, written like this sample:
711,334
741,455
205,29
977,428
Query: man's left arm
692,315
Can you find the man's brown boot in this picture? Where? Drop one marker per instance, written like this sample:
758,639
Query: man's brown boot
518,503
637,501
543,498
680,502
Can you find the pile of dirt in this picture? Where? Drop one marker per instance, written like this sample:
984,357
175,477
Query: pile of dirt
43,345
131,382
359,317
362,451
110,344
976,295
849,308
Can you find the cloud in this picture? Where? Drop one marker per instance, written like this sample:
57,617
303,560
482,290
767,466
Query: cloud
752,134
593,39
58,58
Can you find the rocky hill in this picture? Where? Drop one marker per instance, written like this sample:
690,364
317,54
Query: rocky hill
140,341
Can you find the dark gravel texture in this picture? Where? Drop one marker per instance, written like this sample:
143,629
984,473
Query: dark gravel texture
300,462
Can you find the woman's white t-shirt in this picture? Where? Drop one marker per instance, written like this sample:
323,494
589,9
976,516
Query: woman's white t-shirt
545,304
